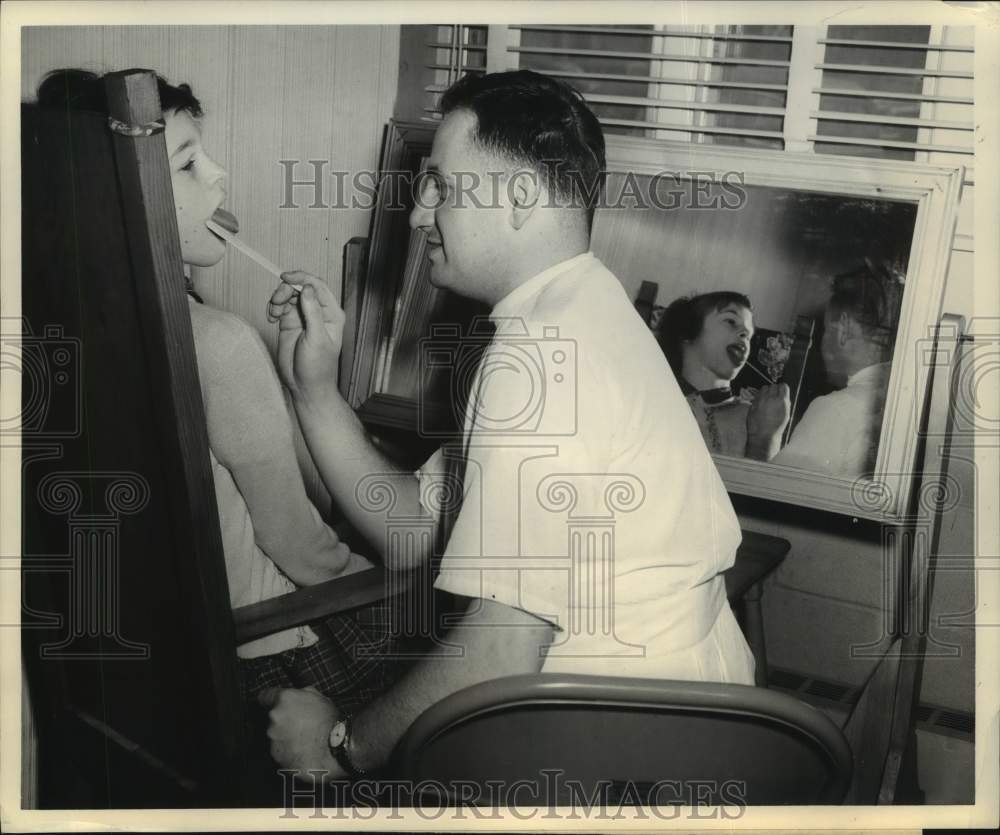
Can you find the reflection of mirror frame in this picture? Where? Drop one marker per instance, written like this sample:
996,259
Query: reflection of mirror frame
935,190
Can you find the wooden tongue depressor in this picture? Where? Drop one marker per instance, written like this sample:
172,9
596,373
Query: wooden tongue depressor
248,251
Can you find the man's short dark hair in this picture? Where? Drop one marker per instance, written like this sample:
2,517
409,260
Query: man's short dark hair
72,89
540,123
871,296
684,319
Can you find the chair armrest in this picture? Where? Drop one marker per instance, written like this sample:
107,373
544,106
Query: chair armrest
342,594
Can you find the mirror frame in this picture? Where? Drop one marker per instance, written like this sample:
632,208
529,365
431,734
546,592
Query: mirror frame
935,190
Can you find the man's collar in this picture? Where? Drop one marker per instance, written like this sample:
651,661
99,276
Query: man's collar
872,374
513,302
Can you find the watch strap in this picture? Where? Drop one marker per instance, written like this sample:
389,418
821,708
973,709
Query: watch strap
340,752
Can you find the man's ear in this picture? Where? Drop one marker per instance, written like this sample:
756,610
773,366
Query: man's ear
846,328
523,193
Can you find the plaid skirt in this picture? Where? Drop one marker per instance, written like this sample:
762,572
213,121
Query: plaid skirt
351,663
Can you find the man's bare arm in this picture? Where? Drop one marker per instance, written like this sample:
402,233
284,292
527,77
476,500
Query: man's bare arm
497,641
344,457
310,332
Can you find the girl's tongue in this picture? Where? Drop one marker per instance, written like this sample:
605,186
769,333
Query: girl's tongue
226,220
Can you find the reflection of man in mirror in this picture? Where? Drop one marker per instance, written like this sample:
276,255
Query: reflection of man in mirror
707,341
838,433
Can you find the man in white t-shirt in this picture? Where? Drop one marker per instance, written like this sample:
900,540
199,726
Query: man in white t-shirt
593,525
839,432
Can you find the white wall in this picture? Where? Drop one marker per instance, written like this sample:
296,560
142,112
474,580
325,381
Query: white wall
269,93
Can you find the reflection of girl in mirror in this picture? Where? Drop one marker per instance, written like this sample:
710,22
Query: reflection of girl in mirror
707,341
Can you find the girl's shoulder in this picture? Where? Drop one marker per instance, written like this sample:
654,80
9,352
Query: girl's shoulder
219,326
223,341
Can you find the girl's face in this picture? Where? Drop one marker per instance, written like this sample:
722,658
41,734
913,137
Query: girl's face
723,345
198,189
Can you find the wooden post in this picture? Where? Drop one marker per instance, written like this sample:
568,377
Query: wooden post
162,308
926,523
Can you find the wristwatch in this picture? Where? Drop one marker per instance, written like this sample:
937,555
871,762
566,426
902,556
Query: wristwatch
339,740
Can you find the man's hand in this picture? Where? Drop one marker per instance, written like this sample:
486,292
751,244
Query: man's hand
310,332
770,410
767,418
300,731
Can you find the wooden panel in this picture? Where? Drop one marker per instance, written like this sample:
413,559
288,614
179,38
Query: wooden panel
255,131
365,79
949,672
966,225
125,509
314,603
307,134
355,259
951,61
198,55
960,284
868,729
179,415
29,748
45,48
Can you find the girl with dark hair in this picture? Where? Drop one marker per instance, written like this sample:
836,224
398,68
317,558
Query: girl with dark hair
273,537
706,339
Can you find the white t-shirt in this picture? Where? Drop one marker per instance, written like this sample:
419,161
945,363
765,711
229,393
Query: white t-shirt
838,433
590,498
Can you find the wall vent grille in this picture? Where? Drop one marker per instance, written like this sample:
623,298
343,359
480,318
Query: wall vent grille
826,693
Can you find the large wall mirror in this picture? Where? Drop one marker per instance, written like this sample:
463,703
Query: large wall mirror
681,219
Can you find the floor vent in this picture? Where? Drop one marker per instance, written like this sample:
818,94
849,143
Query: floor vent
835,694
962,722
818,689
828,690
785,680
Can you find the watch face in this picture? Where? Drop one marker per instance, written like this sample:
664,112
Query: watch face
337,734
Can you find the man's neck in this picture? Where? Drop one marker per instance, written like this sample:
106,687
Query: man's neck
534,263
860,362
865,371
